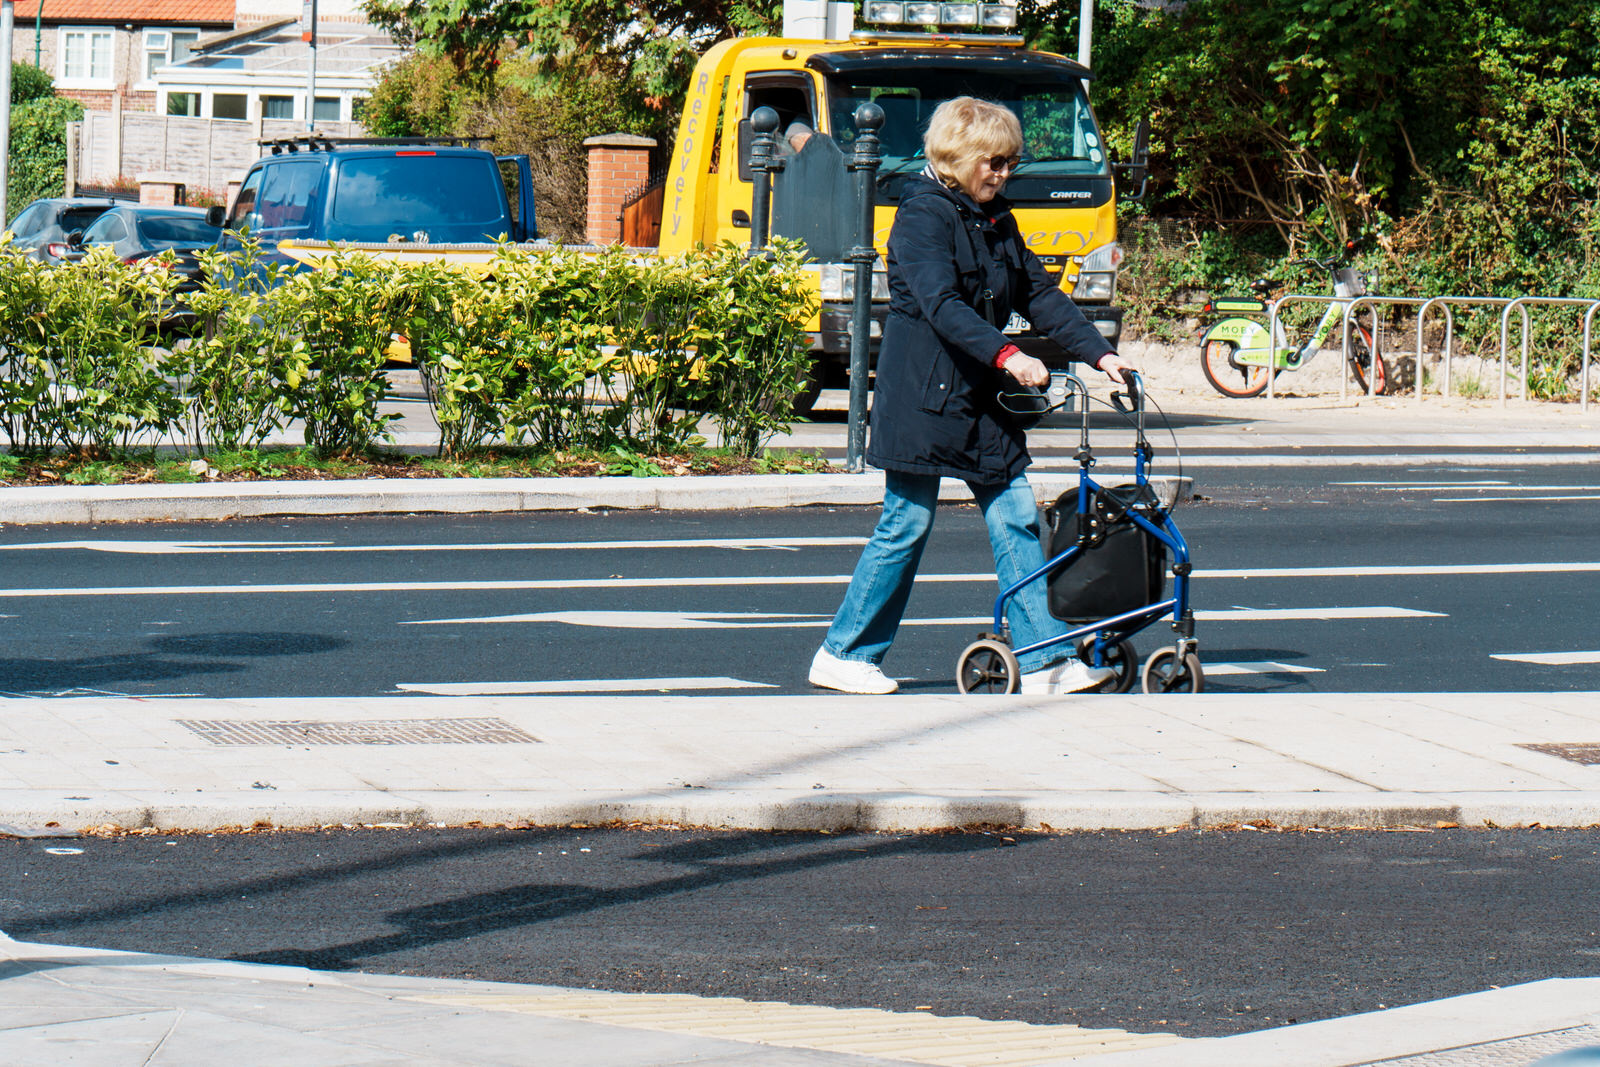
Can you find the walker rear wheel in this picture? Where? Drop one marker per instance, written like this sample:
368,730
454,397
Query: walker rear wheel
1164,672
988,666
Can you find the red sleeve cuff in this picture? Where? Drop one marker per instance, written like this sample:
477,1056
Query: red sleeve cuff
1004,354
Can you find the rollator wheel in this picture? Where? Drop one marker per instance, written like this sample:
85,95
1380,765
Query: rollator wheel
1121,657
1164,672
988,666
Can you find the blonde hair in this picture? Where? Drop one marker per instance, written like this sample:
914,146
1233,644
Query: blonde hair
964,130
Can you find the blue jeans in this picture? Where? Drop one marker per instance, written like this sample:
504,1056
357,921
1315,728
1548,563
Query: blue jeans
865,624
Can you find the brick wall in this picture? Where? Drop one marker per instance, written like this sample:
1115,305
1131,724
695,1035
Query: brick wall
619,166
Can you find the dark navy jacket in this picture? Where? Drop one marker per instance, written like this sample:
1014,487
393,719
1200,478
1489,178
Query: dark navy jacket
933,408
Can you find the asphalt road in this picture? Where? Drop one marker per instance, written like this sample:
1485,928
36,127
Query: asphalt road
1327,575
1192,933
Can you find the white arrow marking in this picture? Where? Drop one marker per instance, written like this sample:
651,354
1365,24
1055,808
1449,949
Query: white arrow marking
577,685
187,548
1213,670
1548,658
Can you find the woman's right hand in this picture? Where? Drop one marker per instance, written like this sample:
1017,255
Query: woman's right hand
1028,370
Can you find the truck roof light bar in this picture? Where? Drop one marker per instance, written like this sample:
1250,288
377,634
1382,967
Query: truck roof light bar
320,143
938,38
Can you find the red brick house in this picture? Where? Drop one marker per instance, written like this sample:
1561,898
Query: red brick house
99,50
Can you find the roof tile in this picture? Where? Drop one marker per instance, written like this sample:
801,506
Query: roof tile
199,12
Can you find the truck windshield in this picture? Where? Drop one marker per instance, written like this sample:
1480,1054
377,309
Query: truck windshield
455,198
1059,136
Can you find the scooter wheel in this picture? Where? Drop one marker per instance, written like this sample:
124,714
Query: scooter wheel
988,666
1120,656
1165,672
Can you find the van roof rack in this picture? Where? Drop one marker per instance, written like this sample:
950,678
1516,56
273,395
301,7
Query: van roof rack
316,142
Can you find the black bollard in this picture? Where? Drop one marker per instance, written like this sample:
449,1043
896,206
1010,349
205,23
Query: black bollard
763,156
864,162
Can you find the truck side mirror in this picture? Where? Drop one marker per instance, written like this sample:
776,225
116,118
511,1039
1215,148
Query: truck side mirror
1137,169
216,215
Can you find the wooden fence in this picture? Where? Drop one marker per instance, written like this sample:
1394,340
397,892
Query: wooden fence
206,154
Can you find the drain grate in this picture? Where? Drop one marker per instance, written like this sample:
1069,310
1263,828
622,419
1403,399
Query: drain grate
368,732
1586,754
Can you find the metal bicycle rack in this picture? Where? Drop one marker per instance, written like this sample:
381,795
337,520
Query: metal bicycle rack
1371,302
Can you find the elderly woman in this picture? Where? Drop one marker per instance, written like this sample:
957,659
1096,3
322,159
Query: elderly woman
957,268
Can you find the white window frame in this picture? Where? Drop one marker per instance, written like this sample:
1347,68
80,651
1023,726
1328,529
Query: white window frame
89,33
166,35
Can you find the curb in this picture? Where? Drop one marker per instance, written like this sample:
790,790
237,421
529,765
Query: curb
28,814
237,500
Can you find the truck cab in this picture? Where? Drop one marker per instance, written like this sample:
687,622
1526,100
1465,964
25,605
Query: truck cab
1063,191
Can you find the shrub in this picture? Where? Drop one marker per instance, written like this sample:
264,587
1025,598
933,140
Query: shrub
38,150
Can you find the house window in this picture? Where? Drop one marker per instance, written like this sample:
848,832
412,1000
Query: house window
277,107
228,106
184,104
326,109
165,47
85,55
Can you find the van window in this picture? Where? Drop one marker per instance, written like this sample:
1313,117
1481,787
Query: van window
406,193
288,191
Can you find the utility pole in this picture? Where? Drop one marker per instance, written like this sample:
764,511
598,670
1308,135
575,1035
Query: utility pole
7,14
1085,29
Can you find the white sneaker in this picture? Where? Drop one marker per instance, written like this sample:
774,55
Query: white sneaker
849,675
1068,676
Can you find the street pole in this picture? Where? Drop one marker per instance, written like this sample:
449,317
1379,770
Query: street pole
864,162
1085,29
308,34
7,14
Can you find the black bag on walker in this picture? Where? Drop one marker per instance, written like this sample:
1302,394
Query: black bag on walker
1126,570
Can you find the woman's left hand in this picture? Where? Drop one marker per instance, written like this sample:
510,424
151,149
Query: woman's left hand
1112,366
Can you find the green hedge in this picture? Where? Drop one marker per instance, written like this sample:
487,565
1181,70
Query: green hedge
556,350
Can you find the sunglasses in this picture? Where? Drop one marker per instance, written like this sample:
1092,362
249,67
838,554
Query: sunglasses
1000,163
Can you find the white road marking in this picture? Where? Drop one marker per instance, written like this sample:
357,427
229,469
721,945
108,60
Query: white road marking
186,548
729,620
1498,486
577,685
1401,570
1213,670
1488,499
1552,659
749,581
1433,483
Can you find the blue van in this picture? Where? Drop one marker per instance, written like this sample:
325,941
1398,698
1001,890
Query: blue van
383,191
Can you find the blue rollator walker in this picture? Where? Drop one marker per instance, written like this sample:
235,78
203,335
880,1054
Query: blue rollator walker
1106,570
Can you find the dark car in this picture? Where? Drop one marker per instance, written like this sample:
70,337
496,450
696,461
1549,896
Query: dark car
43,226
137,231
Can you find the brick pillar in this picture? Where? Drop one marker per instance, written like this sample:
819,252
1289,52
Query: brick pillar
619,164
162,190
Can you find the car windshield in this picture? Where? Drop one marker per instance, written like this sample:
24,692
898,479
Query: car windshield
1059,135
171,229
77,218
425,191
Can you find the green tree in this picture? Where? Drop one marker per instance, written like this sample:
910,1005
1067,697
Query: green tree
38,150
29,83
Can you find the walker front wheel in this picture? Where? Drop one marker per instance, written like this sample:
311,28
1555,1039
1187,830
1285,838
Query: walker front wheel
1165,672
988,666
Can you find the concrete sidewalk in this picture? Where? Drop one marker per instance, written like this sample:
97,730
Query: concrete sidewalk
98,1008
909,762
